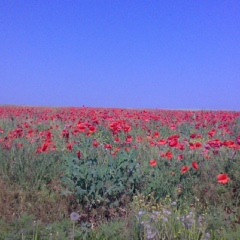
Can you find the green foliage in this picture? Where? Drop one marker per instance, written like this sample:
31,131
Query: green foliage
103,181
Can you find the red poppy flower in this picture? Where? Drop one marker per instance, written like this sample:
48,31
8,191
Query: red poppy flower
95,143
180,157
156,135
162,142
127,128
149,138
173,137
185,169
229,144
126,149
139,139
134,146
173,143
192,146
198,145
195,165
117,149
70,146
152,144
44,147
223,178
78,154
65,134
193,135
168,155
108,146
153,162
180,146
92,129
238,140
81,126
129,139
216,143
162,154
211,133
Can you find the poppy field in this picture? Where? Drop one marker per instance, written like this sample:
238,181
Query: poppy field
99,173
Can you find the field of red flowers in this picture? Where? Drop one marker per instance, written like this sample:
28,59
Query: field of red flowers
96,160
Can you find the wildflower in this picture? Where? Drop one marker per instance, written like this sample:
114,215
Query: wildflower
70,146
165,219
162,154
65,134
127,128
185,169
95,143
238,140
207,236
168,155
139,139
156,135
162,142
153,162
173,143
215,144
188,225
180,146
74,216
78,154
180,157
166,212
192,146
212,133
154,215
223,178
151,234
195,165
92,129
193,135
44,147
229,144
180,185
156,212
200,218
129,139
198,145
141,213
108,146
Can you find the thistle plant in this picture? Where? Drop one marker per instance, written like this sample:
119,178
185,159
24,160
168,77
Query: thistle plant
74,217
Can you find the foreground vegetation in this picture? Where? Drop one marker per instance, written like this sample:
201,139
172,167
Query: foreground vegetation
87,173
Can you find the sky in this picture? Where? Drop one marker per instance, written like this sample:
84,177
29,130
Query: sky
159,54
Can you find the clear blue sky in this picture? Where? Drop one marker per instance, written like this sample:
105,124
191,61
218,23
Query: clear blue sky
121,53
